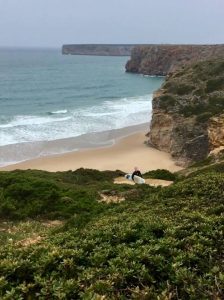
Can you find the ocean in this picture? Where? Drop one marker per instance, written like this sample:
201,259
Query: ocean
46,96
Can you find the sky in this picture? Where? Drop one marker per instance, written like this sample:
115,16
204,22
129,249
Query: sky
51,23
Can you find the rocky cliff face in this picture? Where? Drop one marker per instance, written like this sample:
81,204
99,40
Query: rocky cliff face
188,112
216,134
163,59
97,49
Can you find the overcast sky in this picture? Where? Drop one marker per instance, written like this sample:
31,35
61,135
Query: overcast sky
52,23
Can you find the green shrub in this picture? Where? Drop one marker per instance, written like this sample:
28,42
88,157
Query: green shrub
165,243
33,194
183,89
204,117
161,174
199,92
216,104
204,162
178,88
193,109
204,111
196,91
216,69
87,176
167,101
215,84
214,168
208,187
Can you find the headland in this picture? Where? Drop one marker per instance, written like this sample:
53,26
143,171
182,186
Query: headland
98,49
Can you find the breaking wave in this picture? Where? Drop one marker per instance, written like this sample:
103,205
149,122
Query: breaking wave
70,123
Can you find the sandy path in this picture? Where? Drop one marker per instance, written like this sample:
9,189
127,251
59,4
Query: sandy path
152,182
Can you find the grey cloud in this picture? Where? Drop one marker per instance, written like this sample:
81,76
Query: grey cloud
51,23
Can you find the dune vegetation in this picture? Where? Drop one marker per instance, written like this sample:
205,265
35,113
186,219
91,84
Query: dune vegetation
60,241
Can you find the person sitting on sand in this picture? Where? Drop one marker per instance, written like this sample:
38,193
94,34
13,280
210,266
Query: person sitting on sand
136,172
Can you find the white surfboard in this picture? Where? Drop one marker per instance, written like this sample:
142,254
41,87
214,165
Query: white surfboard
137,179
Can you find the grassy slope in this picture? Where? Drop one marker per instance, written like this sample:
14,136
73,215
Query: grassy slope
158,244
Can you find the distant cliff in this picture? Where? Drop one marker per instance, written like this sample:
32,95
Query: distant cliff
162,59
97,49
188,112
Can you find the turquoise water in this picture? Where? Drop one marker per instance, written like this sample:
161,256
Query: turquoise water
53,104
46,96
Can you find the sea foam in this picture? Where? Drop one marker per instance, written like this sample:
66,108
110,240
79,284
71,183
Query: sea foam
63,123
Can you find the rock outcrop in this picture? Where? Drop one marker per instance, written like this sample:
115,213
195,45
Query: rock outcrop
98,49
163,59
188,112
216,132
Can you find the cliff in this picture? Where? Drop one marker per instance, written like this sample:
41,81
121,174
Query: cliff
162,59
188,112
97,49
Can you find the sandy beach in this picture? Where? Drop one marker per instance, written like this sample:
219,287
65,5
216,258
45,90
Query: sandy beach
126,153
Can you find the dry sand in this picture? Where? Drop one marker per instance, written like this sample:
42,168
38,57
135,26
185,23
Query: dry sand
126,153
149,181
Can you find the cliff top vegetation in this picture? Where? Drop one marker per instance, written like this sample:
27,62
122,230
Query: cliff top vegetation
195,90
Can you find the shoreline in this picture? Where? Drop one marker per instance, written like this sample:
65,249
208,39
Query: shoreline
27,151
124,150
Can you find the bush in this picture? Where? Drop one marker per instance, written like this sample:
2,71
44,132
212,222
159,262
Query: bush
195,91
214,168
204,117
183,89
167,244
207,187
215,84
86,176
178,88
193,109
216,104
167,101
161,174
217,69
199,92
204,111
26,194
204,162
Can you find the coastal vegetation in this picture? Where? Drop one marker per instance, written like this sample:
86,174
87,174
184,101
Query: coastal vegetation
161,174
188,111
60,241
196,89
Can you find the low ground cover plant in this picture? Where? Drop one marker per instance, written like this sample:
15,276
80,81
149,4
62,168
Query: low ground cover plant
161,243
